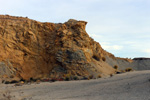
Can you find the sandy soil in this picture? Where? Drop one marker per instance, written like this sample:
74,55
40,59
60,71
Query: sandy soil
127,86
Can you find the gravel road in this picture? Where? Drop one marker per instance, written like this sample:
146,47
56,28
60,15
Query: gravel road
128,86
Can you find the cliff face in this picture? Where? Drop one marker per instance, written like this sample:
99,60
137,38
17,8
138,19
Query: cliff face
31,49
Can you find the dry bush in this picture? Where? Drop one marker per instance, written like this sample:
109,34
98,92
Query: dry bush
103,58
85,78
99,76
75,78
67,77
111,75
128,69
91,77
115,67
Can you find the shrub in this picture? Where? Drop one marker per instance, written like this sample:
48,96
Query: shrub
67,78
32,79
118,72
115,67
85,78
111,75
14,81
7,82
128,69
91,77
22,80
99,76
103,58
75,78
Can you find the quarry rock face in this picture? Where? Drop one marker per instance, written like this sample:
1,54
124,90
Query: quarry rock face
31,49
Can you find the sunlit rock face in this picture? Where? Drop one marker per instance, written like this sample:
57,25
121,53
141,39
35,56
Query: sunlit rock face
32,49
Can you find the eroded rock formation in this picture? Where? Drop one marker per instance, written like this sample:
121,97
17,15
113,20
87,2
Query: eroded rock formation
32,49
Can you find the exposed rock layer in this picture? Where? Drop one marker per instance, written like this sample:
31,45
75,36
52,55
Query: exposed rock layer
31,49
35,49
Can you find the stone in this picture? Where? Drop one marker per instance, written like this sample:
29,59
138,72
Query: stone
32,49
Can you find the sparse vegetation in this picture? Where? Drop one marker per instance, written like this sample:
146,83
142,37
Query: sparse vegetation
115,67
128,69
111,75
103,58
75,78
118,72
67,77
91,77
99,76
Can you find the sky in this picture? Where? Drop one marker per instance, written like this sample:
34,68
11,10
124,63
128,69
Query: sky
122,27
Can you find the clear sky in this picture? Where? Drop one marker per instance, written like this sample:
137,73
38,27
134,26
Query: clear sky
122,27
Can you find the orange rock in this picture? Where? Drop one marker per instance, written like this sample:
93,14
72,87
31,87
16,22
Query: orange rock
37,50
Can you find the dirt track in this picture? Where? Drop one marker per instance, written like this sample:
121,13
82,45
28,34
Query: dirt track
128,86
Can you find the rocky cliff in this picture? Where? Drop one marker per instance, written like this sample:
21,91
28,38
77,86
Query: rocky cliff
32,49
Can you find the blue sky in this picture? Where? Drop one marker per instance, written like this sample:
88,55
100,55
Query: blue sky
122,27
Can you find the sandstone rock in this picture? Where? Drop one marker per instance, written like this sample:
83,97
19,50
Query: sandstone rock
37,50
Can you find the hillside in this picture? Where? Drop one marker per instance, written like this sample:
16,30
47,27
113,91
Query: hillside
32,49
141,64
135,63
